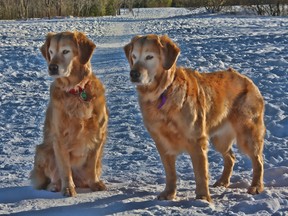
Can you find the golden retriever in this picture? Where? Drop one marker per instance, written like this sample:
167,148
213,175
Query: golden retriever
76,118
182,109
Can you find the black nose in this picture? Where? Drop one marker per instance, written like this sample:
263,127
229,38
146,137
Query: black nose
135,75
53,69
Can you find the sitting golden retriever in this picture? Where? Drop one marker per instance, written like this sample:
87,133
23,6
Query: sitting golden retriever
182,109
76,118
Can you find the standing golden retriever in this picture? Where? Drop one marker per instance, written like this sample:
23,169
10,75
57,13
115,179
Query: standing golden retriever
182,109
76,118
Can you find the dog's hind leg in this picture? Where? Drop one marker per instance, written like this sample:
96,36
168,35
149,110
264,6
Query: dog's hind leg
229,160
222,144
251,141
38,177
257,185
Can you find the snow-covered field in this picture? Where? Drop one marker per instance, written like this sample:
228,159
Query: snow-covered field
256,46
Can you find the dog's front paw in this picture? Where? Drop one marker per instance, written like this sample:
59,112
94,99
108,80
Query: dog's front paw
255,189
220,183
69,192
204,197
98,186
167,195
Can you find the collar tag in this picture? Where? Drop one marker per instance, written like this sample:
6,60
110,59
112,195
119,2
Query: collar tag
80,92
83,95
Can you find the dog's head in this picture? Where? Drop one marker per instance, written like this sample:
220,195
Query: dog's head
61,50
149,55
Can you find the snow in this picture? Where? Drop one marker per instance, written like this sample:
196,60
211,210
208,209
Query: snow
132,171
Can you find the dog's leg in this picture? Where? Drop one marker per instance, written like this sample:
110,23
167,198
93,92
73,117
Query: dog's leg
100,185
62,157
257,185
169,165
170,189
251,141
55,184
38,177
229,160
94,168
199,158
223,145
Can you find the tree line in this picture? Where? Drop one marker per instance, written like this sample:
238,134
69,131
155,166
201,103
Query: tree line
261,7
23,9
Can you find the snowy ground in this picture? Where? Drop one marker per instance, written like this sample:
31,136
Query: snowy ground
256,46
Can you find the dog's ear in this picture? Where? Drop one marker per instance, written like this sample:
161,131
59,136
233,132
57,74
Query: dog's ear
85,47
128,48
170,52
44,48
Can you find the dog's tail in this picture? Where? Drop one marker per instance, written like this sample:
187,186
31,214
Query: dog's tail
38,177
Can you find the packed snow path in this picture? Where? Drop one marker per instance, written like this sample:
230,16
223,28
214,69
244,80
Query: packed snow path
132,170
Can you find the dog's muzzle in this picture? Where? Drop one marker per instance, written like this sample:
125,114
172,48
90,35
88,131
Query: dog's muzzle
135,75
53,69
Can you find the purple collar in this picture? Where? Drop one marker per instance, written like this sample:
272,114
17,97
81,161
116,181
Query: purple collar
163,99
163,96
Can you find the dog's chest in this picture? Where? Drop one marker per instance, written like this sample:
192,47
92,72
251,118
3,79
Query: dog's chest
80,137
74,107
172,130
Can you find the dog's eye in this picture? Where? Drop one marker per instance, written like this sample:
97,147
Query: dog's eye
133,56
149,57
65,52
50,51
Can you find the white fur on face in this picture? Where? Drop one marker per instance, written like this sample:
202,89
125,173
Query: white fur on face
62,55
146,62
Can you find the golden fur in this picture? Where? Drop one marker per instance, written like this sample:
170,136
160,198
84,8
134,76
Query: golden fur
75,126
182,109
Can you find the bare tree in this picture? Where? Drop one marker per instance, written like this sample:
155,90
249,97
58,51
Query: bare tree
58,5
117,6
130,6
48,4
214,6
270,7
78,6
6,9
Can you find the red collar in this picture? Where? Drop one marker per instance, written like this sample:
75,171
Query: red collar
80,92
